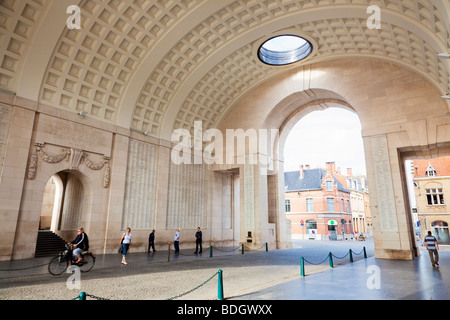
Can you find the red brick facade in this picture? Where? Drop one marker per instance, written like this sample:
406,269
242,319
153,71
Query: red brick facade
317,208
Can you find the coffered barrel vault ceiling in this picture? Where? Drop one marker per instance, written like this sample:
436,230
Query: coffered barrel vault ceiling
156,65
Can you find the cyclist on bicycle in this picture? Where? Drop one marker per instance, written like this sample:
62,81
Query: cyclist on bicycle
81,243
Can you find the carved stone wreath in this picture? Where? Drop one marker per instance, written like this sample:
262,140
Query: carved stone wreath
75,157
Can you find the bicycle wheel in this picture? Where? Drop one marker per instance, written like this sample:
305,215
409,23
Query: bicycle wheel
56,266
88,262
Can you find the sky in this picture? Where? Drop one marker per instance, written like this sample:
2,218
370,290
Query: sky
333,134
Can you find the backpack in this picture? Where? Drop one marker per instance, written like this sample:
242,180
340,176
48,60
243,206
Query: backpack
86,243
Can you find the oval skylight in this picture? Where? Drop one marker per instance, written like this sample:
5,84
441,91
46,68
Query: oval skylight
284,49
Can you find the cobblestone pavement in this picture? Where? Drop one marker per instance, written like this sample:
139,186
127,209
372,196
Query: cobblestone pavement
152,277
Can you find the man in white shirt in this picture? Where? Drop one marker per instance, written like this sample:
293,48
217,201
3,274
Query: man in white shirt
176,241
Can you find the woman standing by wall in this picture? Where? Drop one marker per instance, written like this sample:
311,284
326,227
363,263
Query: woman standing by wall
125,241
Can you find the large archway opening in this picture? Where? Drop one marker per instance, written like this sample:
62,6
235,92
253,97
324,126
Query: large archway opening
325,184
62,211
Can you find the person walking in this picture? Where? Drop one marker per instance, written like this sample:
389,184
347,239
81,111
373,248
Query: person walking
125,241
198,240
432,246
176,241
151,241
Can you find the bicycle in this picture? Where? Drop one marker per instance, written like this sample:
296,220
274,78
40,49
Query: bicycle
61,262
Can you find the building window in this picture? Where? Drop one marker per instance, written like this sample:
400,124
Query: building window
342,205
348,206
430,171
287,205
309,205
435,196
330,204
311,227
329,186
284,49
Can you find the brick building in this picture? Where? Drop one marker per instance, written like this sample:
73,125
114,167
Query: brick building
318,204
431,186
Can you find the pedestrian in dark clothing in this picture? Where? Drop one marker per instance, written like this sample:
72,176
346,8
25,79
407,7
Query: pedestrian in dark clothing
80,244
151,241
176,241
198,240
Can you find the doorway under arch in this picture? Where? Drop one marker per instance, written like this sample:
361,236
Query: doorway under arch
63,204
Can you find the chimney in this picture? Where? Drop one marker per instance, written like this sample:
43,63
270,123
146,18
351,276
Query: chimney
338,170
331,166
307,167
363,182
349,172
301,171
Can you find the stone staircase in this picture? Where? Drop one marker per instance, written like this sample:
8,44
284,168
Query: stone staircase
48,244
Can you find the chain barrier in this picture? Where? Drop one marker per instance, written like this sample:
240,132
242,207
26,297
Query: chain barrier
340,258
197,287
330,256
208,248
184,254
231,250
254,249
84,295
316,263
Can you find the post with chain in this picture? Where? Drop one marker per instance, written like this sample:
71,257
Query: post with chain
365,253
220,286
350,254
210,251
330,258
82,296
267,247
168,252
242,248
302,266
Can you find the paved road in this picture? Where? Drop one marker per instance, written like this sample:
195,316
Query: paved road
152,277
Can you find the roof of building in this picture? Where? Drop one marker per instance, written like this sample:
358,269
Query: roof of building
312,180
441,165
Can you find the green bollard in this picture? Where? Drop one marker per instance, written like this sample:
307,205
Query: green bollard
302,266
242,248
220,286
365,253
210,251
267,247
351,255
82,296
330,258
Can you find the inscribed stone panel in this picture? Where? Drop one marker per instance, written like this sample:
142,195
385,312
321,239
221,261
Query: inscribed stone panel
5,118
384,187
140,186
187,198
249,196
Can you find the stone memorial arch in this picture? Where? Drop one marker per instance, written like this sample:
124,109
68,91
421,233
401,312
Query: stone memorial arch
394,128
101,95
